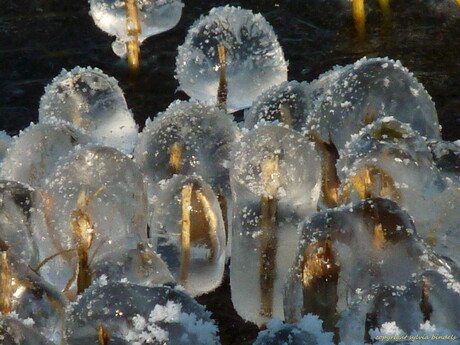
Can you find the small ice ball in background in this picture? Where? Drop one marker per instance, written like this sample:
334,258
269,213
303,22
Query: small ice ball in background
367,90
276,177
288,103
15,332
27,296
5,142
347,251
94,203
133,314
155,17
17,203
34,153
94,103
187,230
308,331
140,266
389,159
254,58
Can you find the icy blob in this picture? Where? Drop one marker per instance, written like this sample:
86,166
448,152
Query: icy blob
188,232
94,203
5,142
276,177
94,103
367,90
34,152
155,17
124,313
254,59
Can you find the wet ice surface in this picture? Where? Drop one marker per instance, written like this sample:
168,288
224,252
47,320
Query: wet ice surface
15,332
254,58
136,315
94,103
17,202
155,17
33,154
94,203
399,165
366,91
272,190
187,230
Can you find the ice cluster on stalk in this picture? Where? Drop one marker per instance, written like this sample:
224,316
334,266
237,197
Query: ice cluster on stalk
275,177
136,315
94,203
188,231
393,161
155,17
34,153
358,94
94,103
254,58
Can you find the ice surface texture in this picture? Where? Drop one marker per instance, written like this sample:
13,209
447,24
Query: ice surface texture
133,314
93,102
15,332
255,59
156,16
275,176
360,93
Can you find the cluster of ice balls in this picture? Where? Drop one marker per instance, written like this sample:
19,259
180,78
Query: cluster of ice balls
361,144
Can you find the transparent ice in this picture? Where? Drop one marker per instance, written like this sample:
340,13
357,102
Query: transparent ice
188,232
275,177
367,90
156,16
93,102
133,314
346,252
287,103
399,165
27,296
254,58
94,203
34,152
15,332
140,266
17,203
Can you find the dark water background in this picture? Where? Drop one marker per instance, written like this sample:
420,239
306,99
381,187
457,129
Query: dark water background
40,37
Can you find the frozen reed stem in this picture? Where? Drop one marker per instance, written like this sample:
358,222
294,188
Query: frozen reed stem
134,29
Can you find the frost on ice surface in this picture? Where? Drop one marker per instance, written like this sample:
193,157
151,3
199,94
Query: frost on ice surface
141,266
389,159
93,102
28,297
139,315
94,203
155,17
34,153
255,60
275,177
17,202
346,252
15,332
365,91
5,142
287,103
187,230
307,331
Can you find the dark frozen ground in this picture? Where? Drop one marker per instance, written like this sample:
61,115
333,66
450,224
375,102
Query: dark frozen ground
40,37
